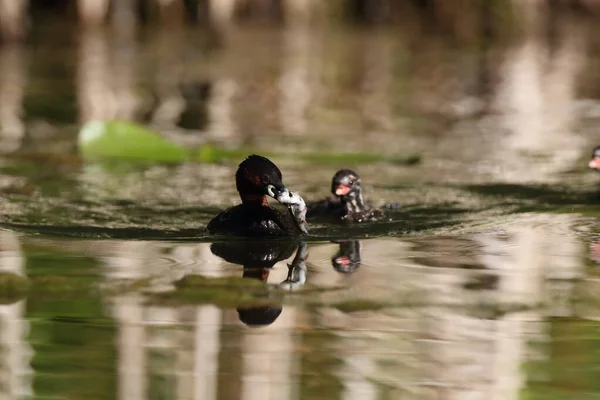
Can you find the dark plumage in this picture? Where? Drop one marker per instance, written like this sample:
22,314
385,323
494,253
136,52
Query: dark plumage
256,178
346,202
253,220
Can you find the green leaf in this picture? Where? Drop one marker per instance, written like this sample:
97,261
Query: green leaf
129,141
126,140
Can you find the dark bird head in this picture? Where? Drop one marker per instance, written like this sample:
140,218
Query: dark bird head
256,178
346,186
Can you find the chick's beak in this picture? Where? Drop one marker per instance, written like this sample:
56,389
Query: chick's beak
342,190
594,163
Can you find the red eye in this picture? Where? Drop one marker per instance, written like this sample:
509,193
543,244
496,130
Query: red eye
252,177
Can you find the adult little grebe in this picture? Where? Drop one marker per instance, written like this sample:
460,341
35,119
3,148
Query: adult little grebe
595,161
256,178
347,202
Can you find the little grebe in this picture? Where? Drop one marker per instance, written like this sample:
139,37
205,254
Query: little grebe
347,202
256,178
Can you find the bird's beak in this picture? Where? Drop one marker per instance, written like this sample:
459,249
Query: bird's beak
283,195
342,190
594,163
274,192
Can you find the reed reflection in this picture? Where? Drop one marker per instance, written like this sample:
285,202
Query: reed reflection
269,356
13,80
15,352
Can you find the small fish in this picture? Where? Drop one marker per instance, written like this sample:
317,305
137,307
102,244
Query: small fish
297,269
295,203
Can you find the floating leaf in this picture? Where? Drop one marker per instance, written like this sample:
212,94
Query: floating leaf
130,141
126,140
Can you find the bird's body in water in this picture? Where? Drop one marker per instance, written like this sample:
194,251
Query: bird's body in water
256,178
346,203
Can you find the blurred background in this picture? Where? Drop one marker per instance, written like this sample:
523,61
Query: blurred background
481,286
465,78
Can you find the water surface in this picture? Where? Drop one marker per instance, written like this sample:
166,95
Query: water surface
481,286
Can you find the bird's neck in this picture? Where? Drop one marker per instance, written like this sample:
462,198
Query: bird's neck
354,201
254,199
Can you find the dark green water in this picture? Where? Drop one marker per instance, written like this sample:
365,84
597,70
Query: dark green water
483,285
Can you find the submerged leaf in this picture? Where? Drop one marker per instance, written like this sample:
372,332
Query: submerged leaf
13,287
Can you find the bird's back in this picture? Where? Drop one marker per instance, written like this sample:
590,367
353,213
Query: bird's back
246,220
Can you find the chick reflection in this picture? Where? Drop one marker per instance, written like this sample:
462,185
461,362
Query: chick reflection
258,258
348,258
